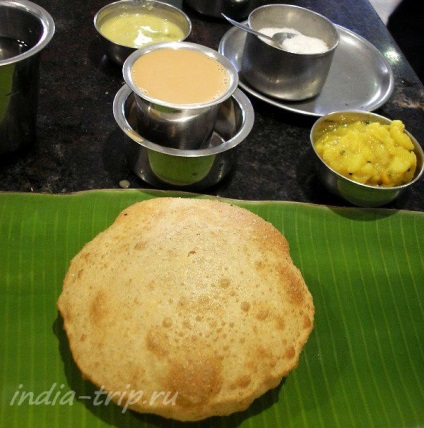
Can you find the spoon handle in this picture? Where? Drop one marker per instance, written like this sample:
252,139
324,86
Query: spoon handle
249,30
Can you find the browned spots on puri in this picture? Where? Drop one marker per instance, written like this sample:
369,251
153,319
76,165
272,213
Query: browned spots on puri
194,337
157,343
262,313
224,283
290,353
83,337
241,382
197,379
85,255
293,285
79,274
171,253
245,306
280,323
266,356
141,245
260,266
167,322
203,301
99,310
182,303
307,323
252,367
190,253
136,375
244,381
204,304
213,323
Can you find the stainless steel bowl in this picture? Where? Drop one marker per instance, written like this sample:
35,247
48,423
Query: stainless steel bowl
282,74
165,167
25,31
182,126
356,193
237,9
118,52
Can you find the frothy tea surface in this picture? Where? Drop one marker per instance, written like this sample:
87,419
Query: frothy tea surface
180,76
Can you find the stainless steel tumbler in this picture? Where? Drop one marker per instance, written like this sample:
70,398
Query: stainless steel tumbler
25,30
282,74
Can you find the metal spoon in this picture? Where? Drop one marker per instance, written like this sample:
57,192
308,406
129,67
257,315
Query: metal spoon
277,39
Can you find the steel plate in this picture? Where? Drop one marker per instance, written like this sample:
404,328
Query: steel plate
360,77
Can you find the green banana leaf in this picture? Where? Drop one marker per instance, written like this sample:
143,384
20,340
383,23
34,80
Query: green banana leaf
363,365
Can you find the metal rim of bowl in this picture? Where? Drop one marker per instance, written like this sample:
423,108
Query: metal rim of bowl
141,4
46,21
417,149
229,66
291,6
247,124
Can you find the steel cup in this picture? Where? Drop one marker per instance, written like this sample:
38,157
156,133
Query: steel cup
180,126
234,8
25,30
189,170
119,53
282,74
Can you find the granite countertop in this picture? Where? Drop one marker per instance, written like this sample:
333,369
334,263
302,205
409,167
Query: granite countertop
80,147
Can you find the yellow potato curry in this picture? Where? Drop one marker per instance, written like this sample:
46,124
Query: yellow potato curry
369,153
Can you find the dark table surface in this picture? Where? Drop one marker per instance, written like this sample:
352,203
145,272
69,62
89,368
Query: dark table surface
79,145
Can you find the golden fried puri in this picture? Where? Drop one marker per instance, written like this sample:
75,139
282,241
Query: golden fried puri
186,308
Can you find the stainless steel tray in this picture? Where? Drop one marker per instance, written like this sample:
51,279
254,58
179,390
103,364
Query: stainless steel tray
360,77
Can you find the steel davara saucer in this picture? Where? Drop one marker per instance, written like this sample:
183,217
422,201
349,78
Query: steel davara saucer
360,77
